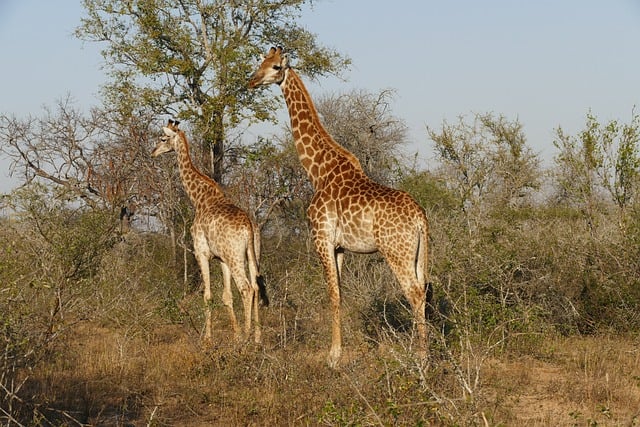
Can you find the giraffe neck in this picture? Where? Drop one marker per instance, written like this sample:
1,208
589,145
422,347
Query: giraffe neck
200,188
318,152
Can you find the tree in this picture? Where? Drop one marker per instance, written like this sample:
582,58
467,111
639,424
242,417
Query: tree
596,178
600,159
55,148
364,124
99,160
269,182
486,163
192,59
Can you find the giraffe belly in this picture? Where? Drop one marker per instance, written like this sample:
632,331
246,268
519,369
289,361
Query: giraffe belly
359,248
356,239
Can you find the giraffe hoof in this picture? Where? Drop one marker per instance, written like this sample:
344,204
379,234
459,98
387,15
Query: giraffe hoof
333,364
207,342
422,353
333,359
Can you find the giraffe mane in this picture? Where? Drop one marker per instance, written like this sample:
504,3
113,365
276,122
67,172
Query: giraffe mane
313,113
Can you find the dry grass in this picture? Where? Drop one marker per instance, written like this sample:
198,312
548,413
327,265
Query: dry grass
166,377
132,356
581,381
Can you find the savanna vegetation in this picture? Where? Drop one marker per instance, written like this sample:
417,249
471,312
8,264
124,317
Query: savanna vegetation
535,264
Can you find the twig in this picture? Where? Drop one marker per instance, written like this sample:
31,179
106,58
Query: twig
10,418
364,399
153,413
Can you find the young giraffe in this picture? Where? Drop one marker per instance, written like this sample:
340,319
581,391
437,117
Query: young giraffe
349,211
221,230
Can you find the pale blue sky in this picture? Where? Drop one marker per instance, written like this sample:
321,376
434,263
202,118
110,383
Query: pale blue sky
544,62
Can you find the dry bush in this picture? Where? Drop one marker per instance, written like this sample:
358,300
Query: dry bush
139,359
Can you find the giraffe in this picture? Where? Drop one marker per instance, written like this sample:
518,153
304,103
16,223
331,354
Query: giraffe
220,230
349,211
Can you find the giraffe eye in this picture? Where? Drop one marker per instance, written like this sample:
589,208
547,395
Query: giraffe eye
277,67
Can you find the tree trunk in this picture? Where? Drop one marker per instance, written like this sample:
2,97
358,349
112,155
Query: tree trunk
213,148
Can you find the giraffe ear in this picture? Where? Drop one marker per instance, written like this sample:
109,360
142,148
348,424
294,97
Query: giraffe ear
284,63
169,132
269,54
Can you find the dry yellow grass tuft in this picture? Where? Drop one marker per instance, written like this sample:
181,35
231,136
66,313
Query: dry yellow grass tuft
580,381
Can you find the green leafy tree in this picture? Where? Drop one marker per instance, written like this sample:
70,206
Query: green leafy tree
621,161
602,158
482,202
192,59
596,179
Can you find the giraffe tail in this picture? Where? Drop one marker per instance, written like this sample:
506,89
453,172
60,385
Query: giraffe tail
253,255
262,290
422,265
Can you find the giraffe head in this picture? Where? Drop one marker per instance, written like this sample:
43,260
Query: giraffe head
272,69
167,141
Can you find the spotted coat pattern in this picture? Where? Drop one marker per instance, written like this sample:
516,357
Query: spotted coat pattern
220,230
349,211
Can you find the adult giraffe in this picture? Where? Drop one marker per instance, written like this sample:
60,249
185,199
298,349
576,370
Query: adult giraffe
221,230
349,211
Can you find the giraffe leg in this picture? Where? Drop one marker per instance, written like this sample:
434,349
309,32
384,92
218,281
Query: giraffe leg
258,333
418,303
339,260
203,263
246,293
227,297
253,276
330,261
416,294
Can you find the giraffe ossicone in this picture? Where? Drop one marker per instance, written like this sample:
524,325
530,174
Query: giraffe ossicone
350,211
222,230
